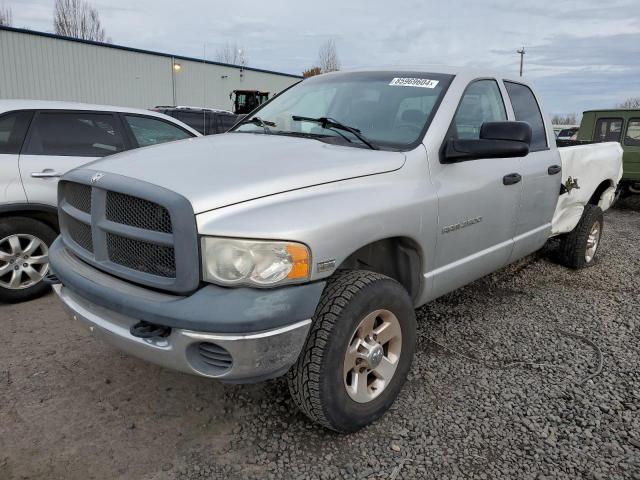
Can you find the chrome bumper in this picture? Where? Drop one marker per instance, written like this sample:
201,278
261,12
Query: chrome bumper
254,356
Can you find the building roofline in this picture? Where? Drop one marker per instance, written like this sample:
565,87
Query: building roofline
140,50
612,110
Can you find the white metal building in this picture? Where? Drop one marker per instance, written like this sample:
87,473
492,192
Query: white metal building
40,65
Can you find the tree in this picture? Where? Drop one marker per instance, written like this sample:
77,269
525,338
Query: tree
231,54
312,71
567,119
631,102
6,16
78,19
328,60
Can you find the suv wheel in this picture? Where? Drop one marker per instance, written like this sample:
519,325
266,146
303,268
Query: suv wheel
358,352
579,247
24,258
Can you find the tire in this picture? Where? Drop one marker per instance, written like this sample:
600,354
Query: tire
575,247
30,281
318,380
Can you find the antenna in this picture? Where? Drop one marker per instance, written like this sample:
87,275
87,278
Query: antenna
521,52
204,86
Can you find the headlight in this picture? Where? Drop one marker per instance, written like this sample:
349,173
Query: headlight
229,261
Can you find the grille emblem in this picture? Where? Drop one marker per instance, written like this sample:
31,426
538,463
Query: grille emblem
97,177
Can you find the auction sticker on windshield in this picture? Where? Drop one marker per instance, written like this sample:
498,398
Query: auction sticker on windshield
414,82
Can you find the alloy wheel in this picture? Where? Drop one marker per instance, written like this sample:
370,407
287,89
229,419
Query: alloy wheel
24,261
593,241
372,356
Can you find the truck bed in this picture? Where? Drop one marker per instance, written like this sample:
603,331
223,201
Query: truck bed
590,165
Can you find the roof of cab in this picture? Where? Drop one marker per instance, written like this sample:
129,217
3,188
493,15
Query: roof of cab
465,72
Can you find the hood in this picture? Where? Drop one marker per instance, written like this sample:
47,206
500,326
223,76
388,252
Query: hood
220,170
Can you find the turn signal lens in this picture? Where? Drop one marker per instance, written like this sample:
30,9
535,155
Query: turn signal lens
300,261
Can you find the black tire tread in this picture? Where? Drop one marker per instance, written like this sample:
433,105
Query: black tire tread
304,377
571,252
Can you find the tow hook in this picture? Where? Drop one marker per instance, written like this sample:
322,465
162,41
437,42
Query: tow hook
144,329
51,279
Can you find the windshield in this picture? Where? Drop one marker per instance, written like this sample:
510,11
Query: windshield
388,109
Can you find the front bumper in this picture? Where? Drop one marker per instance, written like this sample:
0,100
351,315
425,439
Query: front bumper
252,356
232,334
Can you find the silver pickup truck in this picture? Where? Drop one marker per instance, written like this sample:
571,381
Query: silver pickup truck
301,242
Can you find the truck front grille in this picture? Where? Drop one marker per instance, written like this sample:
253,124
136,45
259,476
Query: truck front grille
79,196
79,232
126,227
142,256
137,212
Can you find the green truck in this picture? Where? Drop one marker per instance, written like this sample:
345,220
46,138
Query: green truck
619,125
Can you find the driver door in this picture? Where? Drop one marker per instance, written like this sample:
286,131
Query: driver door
477,199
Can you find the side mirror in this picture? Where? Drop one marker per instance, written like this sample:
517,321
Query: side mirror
497,140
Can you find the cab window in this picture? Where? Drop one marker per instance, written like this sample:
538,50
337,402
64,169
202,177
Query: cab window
608,130
526,109
481,102
632,137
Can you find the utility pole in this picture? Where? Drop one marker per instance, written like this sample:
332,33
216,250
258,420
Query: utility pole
521,52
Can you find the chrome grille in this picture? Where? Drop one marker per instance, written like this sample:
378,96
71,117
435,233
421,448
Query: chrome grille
130,229
137,212
142,256
79,232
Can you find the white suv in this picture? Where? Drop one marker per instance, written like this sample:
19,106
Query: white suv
39,142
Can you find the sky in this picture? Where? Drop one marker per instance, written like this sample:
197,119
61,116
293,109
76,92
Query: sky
579,54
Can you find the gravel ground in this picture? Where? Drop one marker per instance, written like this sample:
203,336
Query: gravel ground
532,372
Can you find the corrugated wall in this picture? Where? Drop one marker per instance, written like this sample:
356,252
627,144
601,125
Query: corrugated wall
40,67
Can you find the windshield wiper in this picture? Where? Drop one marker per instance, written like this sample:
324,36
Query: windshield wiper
326,122
265,124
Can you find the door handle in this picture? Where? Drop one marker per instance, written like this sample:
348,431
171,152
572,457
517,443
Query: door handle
554,169
512,179
46,173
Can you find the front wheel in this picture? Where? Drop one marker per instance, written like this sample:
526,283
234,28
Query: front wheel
24,258
358,351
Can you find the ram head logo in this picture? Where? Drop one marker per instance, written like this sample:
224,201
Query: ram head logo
97,177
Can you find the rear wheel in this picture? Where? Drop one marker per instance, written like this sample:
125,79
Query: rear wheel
578,248
24,258
358,352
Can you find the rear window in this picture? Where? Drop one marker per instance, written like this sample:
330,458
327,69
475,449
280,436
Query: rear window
632,138
77,134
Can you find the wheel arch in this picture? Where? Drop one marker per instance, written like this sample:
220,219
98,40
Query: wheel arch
597,194
400,258
43,213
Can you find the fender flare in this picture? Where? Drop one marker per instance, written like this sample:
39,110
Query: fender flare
28,207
